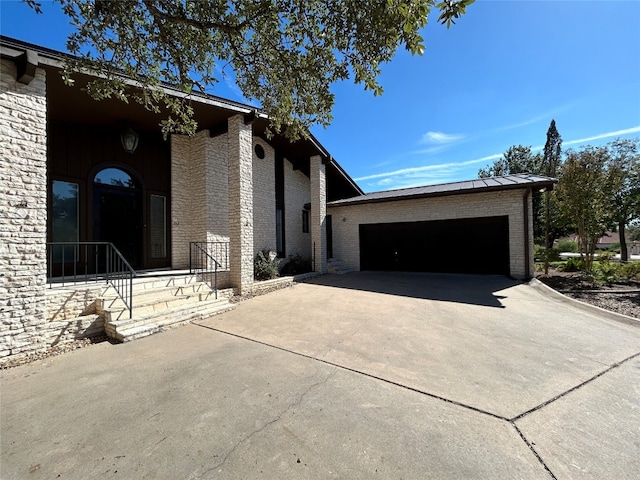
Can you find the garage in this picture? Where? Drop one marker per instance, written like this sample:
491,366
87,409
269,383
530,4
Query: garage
480,226
470,245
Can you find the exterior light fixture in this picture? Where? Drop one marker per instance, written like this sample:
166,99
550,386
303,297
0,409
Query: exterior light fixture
129,139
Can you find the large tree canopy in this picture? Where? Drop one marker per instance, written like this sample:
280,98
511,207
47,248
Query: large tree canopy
284,54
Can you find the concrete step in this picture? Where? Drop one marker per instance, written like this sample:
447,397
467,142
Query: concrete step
159,295
145,283
141,326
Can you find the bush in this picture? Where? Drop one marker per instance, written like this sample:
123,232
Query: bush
571,247
265,265
296,265
605,271
630,271
573,265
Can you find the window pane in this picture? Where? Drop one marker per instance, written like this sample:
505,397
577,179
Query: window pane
158,230
114,176
64,215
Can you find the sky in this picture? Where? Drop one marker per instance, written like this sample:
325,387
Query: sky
495,79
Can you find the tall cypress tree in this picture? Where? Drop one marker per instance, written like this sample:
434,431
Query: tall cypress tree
552,150
551,162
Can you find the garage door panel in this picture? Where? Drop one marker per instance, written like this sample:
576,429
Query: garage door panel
474,245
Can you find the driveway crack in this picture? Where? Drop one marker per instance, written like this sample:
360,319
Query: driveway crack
267,424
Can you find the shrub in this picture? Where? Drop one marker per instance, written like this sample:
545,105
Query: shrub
571,247
296,265
265,265
605,271
573,265
630,271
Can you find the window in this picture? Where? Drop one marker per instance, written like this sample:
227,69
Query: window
64,217
305,221
158,226
115,177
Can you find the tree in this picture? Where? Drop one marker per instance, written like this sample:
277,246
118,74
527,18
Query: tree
624,179
520,159
583,197
517,159
284,54
551,162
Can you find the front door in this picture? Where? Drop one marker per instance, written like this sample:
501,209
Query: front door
117,213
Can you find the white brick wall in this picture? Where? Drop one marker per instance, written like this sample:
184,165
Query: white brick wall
318,214
23,212
297,192
199,191
264,199
346,241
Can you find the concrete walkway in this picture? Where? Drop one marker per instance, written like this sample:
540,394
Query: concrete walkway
360,376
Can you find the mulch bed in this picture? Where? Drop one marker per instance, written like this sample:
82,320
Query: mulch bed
621,298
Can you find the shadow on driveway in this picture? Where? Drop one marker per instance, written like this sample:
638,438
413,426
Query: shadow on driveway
469,289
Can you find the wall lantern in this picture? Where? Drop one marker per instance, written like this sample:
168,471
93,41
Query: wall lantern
129,139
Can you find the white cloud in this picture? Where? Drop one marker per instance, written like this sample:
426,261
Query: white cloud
439,137
432,169
453,171
600,136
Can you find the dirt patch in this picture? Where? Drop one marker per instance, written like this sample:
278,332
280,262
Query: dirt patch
621,298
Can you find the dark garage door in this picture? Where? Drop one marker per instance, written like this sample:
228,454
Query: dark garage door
470,245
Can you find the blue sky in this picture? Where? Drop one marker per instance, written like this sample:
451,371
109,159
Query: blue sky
493,80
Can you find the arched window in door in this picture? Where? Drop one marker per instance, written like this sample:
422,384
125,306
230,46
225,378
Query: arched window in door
114,177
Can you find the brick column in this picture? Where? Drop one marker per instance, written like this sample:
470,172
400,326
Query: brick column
318,214
23,212
181,205
240,204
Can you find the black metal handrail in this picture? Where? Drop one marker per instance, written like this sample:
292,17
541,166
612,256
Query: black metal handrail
206,258
78,262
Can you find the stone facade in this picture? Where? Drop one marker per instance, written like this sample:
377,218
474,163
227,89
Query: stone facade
347,219
199,192
202,196
241,203
23,212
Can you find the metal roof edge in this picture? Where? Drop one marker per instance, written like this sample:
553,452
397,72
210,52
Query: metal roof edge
549,182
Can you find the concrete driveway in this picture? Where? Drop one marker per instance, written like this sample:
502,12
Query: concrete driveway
366,375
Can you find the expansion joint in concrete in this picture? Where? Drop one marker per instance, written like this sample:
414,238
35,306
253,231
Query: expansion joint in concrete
510,421
573,389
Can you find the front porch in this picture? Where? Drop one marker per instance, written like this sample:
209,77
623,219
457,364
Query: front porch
162,299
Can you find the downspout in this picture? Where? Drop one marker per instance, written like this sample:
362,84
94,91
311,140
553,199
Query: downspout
527,244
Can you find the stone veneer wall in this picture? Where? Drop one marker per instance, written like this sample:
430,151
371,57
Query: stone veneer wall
264,199
23,212
297,193
318,214
241,203
346,235
200,194
72,314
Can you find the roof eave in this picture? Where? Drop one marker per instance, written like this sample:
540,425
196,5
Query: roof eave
537,185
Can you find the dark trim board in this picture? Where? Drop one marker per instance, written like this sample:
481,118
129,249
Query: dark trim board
471,245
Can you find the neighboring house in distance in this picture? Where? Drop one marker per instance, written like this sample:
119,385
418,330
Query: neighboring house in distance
608,240
67,175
